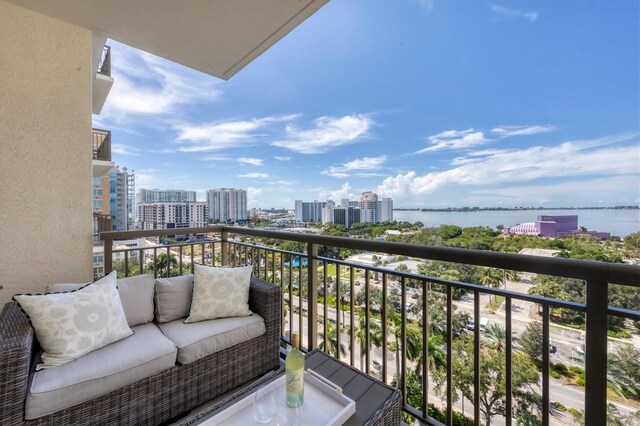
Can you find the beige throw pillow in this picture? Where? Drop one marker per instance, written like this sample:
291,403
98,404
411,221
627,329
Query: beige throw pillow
70,325
219,293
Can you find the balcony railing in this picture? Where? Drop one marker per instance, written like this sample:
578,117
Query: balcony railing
101,223
311,281
101,143
104,67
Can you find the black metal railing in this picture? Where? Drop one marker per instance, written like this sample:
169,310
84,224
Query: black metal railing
104,67
101,144
320,301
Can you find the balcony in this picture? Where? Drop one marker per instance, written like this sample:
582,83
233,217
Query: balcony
103,81
101,223
388,327
101,143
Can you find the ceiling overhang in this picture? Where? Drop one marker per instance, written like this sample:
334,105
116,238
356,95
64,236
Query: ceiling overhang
216,37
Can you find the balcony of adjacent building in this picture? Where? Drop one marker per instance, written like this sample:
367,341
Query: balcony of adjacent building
382,320
101,146
102,82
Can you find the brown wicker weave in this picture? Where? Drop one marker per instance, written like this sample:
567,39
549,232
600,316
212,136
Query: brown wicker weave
155,399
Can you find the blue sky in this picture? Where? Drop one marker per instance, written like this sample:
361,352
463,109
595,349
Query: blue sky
432,103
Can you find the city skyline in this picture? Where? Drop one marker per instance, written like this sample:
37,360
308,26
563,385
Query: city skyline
508,107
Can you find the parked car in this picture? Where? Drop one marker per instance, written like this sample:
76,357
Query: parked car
376,365
484,322
577,353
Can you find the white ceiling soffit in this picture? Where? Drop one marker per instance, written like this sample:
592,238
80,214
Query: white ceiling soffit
217,37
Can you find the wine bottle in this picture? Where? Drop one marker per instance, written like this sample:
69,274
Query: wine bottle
294,367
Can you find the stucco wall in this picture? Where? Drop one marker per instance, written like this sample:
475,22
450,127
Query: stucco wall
45,152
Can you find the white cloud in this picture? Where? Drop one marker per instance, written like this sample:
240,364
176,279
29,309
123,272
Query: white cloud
117,148
427,4
253,195
505,131
327,133
156,178
215,158
254,175
224,134
282,158
569,159
612,189
362,167
454,140
145,84
512,13
252,161
338,194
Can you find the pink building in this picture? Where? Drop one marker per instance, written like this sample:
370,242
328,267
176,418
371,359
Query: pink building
553,227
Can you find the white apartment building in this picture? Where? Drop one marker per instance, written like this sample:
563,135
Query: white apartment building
171,215
385,210
227,204
368,205
165,195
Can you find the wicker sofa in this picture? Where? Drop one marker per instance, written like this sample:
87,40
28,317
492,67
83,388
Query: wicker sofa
153,400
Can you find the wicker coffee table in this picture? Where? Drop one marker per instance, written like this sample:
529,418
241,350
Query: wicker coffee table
376,403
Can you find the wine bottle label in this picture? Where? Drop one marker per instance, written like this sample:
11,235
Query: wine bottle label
295,380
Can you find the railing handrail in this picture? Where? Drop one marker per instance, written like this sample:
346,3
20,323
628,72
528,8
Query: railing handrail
615,273
597,276
104,67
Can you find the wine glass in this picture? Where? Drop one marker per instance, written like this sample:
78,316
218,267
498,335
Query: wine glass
265,405
289,416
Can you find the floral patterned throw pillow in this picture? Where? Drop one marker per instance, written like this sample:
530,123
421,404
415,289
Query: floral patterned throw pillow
69,325
219,293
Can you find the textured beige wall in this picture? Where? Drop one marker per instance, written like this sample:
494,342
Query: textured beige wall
45,152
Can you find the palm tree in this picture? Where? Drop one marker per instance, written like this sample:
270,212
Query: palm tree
164,263
623,373
491,277
416,353
510,275
375,337
395,327
495,336
330,345
436,320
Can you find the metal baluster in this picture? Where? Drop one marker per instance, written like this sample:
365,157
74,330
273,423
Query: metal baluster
403,339
351,316
155,263
425,353
508,353
126,263
338,334
180,255
366,322
596,352
476,357
384,327
545,364
449,420
326,294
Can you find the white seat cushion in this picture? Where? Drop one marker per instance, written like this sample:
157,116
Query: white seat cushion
119,364
203,338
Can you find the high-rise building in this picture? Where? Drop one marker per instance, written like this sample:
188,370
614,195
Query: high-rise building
367,209
171,215
227,204
346,216
122,189
113,199
309,211
165,195
368,205
385,210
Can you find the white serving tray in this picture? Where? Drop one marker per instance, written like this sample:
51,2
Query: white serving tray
324,404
